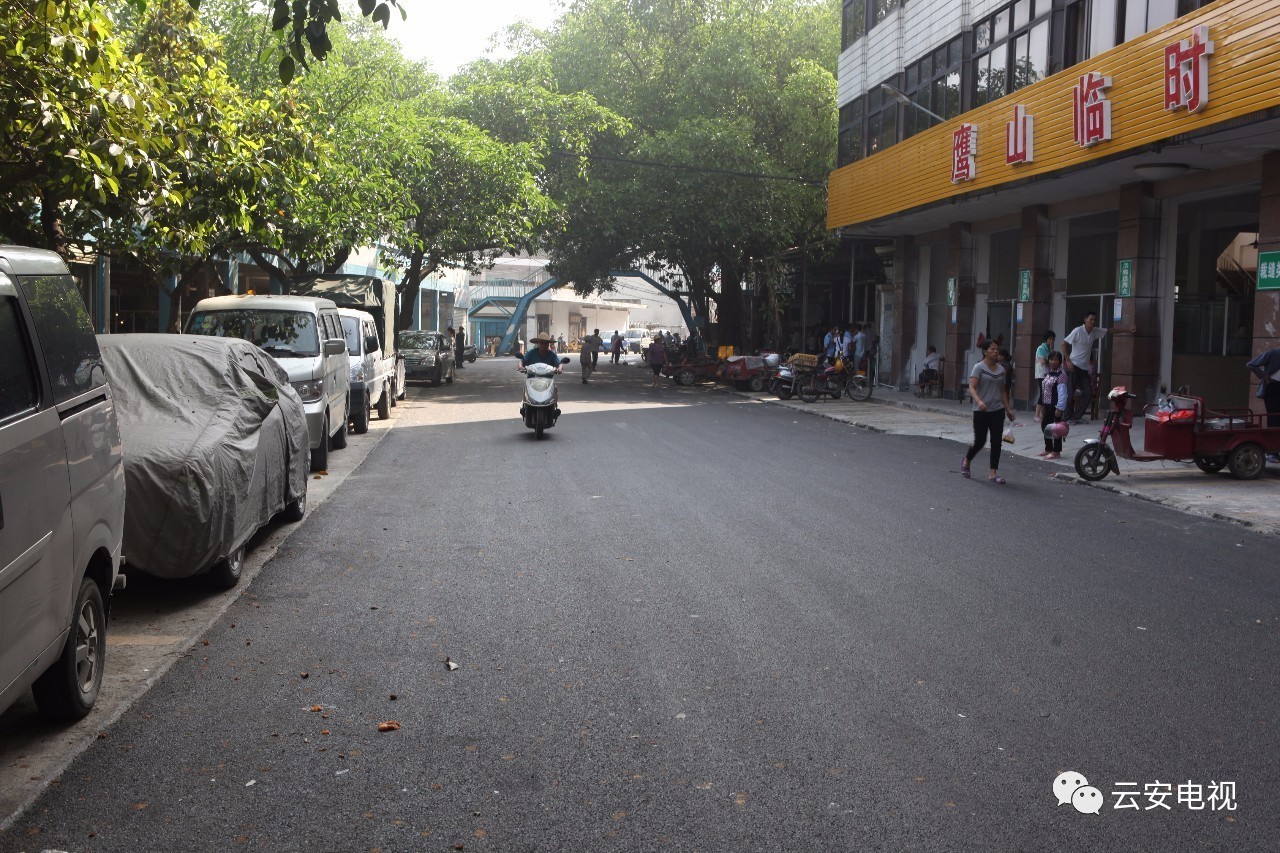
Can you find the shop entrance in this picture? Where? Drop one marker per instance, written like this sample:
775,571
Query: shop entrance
1216,269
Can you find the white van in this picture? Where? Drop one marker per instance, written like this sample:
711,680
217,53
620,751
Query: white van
373,371
304,335
61,489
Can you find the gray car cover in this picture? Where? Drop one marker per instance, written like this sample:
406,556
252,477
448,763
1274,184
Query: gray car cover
215,444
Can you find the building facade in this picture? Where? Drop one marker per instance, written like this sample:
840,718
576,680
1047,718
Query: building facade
1019,164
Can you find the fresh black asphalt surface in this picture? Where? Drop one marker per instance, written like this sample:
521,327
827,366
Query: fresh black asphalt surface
687,621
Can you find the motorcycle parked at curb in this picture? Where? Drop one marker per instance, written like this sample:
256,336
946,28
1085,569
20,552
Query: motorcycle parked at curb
833,381
786,382
540,408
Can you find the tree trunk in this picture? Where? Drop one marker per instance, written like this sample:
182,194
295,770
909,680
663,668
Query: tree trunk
729,304
50,223
408,291
339,258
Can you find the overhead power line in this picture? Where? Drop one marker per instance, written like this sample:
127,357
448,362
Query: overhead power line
681,167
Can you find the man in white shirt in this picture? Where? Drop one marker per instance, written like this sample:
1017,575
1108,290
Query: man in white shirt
1078,349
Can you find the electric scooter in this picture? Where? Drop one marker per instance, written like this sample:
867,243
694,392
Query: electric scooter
540,408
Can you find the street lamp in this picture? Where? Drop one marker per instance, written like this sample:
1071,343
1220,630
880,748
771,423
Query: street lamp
901,97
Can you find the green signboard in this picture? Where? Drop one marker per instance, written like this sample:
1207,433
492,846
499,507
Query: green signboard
951,290
1269,271
1124,281
1024,285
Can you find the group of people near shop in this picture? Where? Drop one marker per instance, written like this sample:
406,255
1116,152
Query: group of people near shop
1064,386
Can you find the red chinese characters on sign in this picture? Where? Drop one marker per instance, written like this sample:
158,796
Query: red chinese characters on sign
1186,71
964,153
1092,110
1019,137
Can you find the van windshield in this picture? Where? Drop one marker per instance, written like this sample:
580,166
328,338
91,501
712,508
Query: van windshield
280,333
351,330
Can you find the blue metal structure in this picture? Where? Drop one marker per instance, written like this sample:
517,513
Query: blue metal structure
522,307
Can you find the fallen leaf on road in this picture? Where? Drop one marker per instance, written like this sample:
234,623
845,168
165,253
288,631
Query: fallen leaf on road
304,675
740,798
316,709
388,726
449,664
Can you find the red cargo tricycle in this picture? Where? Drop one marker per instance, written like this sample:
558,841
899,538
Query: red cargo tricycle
1180,430
748,372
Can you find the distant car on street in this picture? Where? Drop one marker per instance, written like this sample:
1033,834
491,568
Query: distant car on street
427,355
216,444
636,340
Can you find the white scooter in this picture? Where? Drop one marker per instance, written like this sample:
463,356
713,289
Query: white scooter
540,408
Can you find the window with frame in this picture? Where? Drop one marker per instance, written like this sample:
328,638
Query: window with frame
18,389
849,144
933,82
860,16
1011,49
881,127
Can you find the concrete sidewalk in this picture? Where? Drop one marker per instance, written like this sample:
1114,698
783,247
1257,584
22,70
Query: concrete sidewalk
1182,486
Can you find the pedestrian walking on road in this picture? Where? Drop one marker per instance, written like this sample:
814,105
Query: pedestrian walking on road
615,346
1052,404
591,344
990,408
1266,366
657,358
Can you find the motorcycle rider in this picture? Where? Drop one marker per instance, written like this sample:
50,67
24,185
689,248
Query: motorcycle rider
541,353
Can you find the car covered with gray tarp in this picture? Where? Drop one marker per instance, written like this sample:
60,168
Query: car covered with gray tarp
215,444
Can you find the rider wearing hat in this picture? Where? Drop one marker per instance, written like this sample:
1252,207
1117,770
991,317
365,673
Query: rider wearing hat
541,352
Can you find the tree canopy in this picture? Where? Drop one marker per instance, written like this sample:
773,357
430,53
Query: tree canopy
690,136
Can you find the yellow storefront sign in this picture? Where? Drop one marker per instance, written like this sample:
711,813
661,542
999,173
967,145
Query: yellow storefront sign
1243,77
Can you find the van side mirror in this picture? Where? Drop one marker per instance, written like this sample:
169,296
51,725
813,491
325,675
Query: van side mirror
371,343
335,346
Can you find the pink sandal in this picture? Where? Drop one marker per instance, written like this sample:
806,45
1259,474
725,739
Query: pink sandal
997,479
964,467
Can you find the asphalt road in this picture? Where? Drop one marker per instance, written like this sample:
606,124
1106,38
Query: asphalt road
688,621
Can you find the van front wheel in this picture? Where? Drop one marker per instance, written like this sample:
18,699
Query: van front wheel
320,455
340,437
384,405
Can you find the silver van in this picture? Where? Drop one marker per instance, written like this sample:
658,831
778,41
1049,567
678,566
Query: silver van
373,371
61,489
304,335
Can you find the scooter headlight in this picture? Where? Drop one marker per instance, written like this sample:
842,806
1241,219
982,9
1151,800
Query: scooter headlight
540,383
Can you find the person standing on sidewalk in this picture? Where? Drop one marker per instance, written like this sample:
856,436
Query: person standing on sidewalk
1052,404
1047,345
657,358
859,344
830,346
990,408
459,342
1266,366
1078,349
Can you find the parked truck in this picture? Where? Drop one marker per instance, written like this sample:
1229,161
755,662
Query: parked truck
377,369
